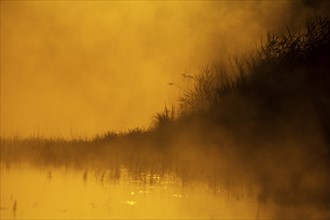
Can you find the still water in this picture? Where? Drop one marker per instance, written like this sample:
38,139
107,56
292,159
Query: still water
30,192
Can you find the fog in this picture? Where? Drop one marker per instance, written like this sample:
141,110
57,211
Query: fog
81,68
165,109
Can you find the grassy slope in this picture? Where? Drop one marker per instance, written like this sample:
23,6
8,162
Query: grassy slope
269,125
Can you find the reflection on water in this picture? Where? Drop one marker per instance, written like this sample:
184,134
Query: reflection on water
28,192
66,193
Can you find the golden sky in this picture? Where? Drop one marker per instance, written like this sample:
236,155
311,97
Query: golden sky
84,67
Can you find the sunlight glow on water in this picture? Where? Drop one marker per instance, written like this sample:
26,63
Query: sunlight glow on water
28,192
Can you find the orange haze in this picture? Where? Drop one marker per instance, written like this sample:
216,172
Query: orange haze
81,68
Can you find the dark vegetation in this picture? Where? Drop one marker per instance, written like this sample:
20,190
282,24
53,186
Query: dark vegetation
262,120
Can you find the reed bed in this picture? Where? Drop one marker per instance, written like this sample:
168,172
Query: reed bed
263,120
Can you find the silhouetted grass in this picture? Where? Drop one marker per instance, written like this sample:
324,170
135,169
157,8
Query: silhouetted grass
264,119
161,119
274,69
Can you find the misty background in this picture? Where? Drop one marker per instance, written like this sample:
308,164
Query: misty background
81,68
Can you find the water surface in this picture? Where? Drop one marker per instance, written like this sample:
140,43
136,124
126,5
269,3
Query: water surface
30,192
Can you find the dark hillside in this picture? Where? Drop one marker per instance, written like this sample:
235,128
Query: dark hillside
264,121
